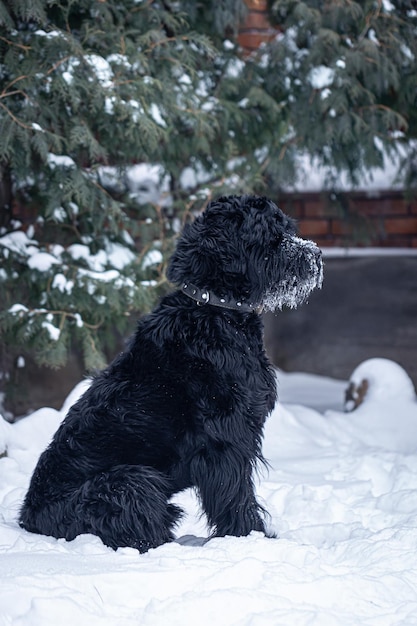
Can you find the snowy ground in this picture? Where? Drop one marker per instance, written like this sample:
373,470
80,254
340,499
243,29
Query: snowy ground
342,493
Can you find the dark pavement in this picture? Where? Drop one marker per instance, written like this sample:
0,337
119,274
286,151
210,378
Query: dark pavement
366,308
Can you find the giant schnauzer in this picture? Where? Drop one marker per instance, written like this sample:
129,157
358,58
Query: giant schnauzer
185,404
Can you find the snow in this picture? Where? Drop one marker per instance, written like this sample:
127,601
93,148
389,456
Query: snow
234,68
337,252
387,380
106,277
148,183
294,291
156,115
60,160
321,76
17,309
42,261
17,241
80,251
342,498
48,35
117,255
313,176
153,257
388,6
53,332
62,283
59,214
101,69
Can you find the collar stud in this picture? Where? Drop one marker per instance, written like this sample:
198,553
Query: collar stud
204,296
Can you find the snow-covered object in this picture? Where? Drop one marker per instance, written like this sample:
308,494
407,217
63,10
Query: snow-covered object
313,176
344,508
153,257
321,76
385,417
147,184
5,432
379,380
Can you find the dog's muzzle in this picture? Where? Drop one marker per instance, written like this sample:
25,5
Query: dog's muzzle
303,274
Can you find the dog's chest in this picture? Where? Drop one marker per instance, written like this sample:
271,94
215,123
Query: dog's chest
237,378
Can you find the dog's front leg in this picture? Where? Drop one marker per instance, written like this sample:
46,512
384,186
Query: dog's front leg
224,481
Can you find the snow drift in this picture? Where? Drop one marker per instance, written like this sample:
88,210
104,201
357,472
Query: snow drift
342,496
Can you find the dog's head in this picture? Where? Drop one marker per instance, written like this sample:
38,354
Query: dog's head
245,247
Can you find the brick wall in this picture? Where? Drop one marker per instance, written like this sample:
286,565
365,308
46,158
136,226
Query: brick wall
385,219
256,29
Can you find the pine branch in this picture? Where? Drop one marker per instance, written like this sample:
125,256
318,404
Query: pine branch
14,118
9,42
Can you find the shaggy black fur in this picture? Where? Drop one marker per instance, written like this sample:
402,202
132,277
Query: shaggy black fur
184,405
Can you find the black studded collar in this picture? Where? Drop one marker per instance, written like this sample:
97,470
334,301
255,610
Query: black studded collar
204,296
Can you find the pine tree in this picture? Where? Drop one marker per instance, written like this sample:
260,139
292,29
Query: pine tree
85,85
87,89
346,74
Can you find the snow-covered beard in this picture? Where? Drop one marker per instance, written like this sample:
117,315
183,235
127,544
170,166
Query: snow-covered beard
299,283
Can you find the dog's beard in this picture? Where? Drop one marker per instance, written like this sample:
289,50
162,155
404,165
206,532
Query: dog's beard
295,289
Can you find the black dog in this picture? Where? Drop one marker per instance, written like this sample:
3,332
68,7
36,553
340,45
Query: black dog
185,404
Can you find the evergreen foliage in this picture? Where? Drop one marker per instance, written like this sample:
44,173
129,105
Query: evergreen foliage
347,72
89,89
84,86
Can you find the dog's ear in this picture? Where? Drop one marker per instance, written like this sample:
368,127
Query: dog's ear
206,250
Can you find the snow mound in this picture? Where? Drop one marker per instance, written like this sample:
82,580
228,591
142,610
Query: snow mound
379,380
342,498
5,431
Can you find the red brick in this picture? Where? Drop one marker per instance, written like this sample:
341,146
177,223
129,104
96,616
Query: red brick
338,227
257,5
325,242
337,242
314,208
393,241
256,21
401,226
24,212
380,206
310,228
386,219
293,207
320,207
252,40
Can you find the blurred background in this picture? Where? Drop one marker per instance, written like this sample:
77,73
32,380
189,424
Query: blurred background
120,122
